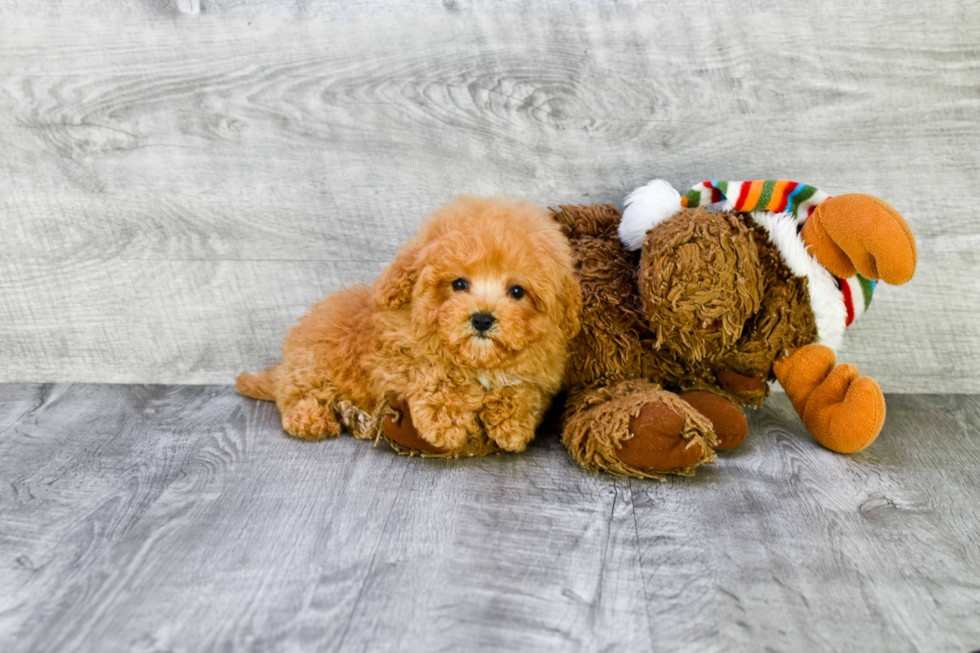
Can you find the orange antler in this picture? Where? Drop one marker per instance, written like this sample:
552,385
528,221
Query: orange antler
855,233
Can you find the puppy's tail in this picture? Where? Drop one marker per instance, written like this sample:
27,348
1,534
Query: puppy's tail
258,386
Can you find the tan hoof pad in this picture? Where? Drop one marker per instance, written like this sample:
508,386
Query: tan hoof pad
740,383
727,419
657,444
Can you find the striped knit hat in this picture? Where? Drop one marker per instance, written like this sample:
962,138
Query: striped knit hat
781,208
776,195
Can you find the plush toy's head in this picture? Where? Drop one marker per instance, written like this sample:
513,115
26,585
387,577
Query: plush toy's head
709,266
842,245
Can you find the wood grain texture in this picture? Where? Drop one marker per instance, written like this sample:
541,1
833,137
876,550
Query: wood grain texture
178,188
180,518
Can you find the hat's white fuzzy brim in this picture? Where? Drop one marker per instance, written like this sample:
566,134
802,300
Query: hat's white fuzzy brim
826,299
645,208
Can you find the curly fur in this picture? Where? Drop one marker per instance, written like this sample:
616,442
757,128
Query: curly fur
411,335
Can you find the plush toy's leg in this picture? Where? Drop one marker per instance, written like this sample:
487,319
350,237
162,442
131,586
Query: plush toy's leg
746,390
634,428
842,409
727,420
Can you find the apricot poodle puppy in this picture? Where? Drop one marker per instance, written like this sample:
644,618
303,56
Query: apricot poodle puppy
467,330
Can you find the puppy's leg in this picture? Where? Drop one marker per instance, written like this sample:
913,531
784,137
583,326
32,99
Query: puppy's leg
306,406
444,412
512,414
445,425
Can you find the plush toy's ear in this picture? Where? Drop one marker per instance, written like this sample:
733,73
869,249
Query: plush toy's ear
394,287
854,233
644,208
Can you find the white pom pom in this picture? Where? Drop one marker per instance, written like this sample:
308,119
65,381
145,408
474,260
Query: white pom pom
646,207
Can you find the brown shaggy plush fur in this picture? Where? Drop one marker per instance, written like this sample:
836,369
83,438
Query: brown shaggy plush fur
707,305
596,424
412,335
719,298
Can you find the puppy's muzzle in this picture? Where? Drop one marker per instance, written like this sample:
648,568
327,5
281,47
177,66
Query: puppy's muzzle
482,322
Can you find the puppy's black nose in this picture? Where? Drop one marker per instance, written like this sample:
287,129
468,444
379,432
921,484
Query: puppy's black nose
482,321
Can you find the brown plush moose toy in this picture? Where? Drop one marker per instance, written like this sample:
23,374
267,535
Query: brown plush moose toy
689,312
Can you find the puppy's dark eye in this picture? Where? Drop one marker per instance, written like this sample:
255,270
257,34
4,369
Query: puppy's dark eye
516,292
460,285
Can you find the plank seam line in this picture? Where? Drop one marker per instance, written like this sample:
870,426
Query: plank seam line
374,556
639,562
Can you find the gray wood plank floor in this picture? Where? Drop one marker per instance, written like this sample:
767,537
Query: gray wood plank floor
177,189
179,518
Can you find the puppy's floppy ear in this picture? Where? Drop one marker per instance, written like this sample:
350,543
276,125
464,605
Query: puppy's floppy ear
393,288
552,245
571,299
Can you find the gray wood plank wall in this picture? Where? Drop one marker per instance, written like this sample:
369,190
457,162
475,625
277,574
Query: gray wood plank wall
180,180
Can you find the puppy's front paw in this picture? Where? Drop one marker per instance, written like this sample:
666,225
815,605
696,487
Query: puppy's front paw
449,437
511,416
512,435
310,420
440,428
